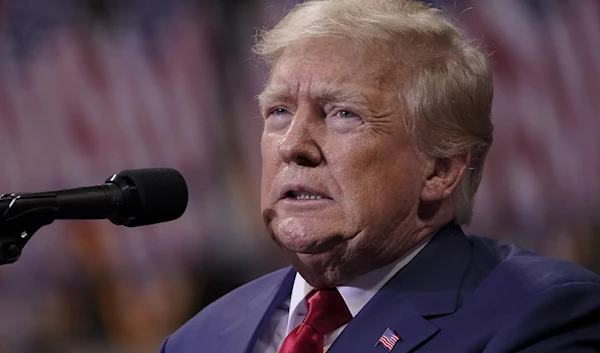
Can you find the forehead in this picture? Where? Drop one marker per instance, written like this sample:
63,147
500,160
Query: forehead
323,67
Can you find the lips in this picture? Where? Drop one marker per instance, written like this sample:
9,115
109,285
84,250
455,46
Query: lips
303,192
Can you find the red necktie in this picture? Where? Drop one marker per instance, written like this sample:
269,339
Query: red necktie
327,311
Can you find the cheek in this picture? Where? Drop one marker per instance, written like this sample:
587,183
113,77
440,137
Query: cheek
270,163
355,162
374,180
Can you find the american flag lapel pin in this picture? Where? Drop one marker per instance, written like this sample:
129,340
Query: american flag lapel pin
388,339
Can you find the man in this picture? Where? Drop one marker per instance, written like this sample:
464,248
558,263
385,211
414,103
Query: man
377,124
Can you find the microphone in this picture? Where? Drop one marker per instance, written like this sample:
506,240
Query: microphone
131,198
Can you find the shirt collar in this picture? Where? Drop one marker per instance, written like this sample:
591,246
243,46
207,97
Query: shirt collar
358,292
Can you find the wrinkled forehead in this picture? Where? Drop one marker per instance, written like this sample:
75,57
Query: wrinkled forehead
322,57
327,67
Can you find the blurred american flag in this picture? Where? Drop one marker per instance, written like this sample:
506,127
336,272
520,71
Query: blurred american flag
85,102
543,171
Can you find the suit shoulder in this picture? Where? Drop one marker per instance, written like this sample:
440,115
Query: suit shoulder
229,308
535,273
241,296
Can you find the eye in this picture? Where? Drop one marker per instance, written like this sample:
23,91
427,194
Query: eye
343,120
273,112
279,111
345,114
276,119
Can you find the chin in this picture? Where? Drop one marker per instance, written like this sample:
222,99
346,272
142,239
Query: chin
298,235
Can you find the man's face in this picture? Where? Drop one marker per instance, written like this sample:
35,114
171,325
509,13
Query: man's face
340,184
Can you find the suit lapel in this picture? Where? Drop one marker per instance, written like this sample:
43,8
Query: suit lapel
241,336
429,286
386,309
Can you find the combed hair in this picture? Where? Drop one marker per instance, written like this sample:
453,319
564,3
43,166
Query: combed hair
443,80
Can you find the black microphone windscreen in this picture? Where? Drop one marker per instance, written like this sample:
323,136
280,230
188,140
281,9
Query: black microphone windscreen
162,192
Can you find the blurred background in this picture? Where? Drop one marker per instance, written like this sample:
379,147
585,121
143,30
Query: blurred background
91,87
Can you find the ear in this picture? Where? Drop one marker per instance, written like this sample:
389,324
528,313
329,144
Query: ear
443,176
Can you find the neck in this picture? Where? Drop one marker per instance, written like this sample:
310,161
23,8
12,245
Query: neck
340,267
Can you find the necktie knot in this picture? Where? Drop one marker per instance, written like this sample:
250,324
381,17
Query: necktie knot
326,310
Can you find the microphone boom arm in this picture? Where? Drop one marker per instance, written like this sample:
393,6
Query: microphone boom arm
18,224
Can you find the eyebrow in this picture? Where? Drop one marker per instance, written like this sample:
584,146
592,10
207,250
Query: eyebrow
274,93
323,92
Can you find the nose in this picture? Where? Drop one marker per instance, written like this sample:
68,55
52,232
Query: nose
298,144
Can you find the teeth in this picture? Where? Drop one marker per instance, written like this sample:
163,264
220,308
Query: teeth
306,196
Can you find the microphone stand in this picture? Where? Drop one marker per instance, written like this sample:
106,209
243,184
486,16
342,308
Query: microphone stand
18,223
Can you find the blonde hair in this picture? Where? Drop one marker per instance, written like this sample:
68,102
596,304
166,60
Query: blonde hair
448,93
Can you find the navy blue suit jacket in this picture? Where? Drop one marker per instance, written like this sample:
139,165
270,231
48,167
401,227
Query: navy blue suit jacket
459,294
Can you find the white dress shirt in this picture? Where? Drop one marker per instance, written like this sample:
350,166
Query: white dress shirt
356,295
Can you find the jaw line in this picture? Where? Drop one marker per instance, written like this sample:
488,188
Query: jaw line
316,247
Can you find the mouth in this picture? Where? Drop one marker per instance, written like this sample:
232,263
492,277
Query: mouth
303,194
